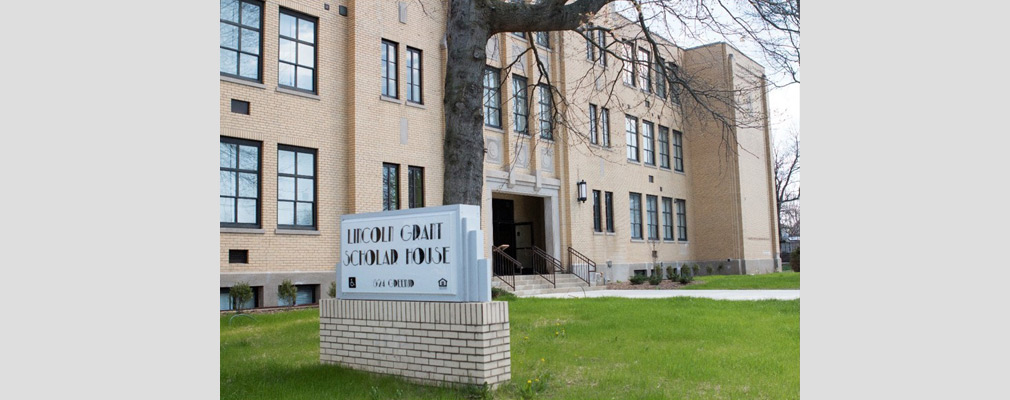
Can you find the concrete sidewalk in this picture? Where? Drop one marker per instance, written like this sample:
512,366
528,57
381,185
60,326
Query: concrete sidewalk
707,294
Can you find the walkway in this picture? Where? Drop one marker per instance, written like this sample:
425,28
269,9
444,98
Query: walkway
707,294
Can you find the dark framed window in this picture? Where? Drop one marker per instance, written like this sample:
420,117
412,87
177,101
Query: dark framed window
605,126
415,187
664,147
492,97
648,143
414,75
635,207
593,123
238,256
543,39
660,77
546,112
239,106
631,130
390,88
390,187
241,38
667,218
608,201
678,151
644,64
601,41
228,304
296,187
240,183
652,216
597,212
673,70
590,46
520,105
681,219
628,64
296,67
304,294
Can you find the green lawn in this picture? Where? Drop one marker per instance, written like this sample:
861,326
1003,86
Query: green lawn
779,280
598,348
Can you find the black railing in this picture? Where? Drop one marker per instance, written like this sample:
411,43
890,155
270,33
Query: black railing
580,265
505,267
546,265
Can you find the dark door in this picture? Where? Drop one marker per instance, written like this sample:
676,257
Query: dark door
503,219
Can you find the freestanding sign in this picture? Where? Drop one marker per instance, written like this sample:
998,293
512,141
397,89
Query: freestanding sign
429,254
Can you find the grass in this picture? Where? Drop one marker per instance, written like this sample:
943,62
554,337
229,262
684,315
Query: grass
567,348
778,280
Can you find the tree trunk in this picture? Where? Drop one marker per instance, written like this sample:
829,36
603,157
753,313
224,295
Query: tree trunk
463,152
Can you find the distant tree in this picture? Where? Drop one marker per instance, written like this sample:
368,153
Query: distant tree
787,184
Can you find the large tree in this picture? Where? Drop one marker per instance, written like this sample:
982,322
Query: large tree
773,25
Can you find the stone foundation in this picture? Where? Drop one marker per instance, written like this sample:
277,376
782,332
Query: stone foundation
426,342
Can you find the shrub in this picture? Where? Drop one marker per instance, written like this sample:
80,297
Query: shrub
708,269
502,294
240,293
794,260
655,279
685,279
696,269
637,279
333,290
719,268
671,273
287,291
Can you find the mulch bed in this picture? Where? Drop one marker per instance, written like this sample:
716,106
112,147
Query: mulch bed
665,284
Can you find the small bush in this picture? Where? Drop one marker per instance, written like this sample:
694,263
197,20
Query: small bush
671,273
287,291
333,290
240,293
655,279
708,269
719,269
637,279
794,260
685,279
502,294
696,269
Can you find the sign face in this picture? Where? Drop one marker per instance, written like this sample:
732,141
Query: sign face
417,254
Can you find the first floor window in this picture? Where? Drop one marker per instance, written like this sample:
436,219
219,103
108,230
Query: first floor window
492,97
520,105
681,219
631,131
664,147
296,66
296,187
608,199
652,214
635,207
415,187
678,151
648,143
240,182
546,113
390,187
241,31
667,218
597,226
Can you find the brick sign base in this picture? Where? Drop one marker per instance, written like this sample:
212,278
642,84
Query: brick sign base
426,342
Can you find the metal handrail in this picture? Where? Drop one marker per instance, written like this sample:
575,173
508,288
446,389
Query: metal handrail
546,265
504,267
581,263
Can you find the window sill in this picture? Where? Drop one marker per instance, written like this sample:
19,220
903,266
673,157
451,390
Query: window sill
243,230
280,231
611,233
494,129
243,82
630,161
390,99
680,172
297,93
633,240
416,105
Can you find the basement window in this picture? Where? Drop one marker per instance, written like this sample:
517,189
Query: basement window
238,256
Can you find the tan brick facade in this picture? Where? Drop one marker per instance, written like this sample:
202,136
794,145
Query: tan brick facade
353,130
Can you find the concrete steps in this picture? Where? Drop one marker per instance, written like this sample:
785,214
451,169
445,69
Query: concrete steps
528,285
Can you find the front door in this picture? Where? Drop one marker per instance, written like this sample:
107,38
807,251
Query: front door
524,245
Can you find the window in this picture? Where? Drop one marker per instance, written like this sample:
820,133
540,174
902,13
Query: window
414,75
652,215
593,122
635,201
390,88
240,107
390,187
628,65
631,129
296,66
673,70
543,39
644,64
681,219
678,152
240,183
546,112
664,147
667,218
608,199
415,187
660,77
595,45
228,304
238,256
648,143
492,97
305,294
296,187
590,47
601,41
597,226
605,126
240,38
520,105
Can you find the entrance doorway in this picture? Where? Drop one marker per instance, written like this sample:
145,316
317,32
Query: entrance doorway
518,221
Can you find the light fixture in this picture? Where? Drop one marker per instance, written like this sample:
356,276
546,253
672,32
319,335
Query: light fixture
582,190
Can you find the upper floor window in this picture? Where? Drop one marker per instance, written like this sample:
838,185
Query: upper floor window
492,97
664,147
415,187
296,67
605,126
601,42
239,180
543,39
631,130
296,186
678,152
241,31
520,105
593,123
628,64
644,64
652,216
648,142
546,112
660,77
635,207
390,187
414,75
390,88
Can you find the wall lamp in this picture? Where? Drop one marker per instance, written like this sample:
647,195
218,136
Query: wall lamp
582,190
